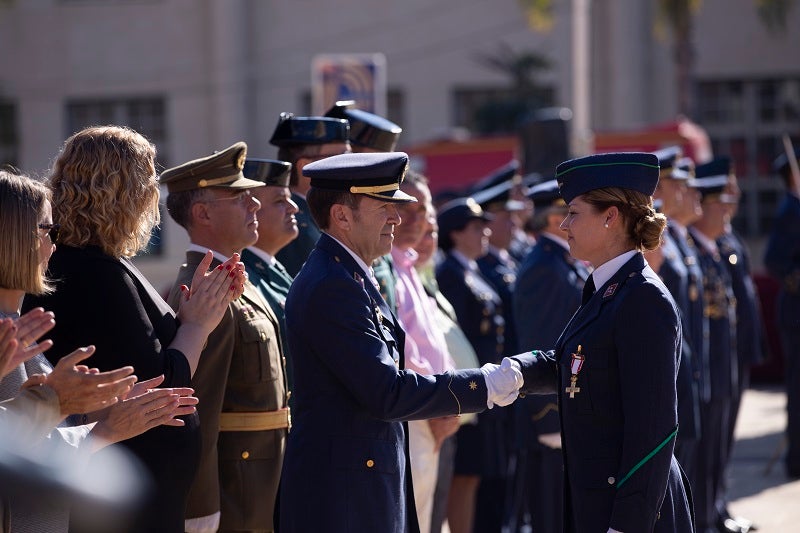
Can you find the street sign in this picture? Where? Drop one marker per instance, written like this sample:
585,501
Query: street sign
359,77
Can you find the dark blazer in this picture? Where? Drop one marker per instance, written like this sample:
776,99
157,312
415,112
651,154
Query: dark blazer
675,275
749,336
630,334
346,466
720,308
696,334
548,292
293,255
502,274
478,306
482,450
107,302
782,256
240,371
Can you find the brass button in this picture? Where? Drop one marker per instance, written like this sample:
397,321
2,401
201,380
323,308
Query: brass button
245,454
611,480
263,336
370,463
288,394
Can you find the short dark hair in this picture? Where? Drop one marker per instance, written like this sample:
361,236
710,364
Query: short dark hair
291,154
179,205
320,202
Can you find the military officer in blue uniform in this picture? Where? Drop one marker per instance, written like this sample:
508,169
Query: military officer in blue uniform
346,466
482,450
720,309
749,328
372,133
548,292
672,191
302,140
519,246
277,227
499,267
615,365
782,259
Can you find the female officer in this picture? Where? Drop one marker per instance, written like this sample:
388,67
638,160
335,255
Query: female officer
615,365
481,452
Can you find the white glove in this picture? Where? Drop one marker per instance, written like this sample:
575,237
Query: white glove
551,440
503,382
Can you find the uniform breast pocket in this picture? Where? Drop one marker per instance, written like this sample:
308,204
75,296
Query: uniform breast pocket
591,391
257,359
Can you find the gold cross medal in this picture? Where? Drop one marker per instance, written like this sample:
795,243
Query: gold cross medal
575,368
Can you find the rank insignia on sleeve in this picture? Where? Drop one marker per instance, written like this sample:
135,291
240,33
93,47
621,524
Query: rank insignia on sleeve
473,385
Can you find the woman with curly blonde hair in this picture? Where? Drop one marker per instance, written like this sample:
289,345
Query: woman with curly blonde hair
105,200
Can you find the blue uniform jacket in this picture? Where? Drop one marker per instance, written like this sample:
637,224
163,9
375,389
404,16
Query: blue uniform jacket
548,292
346,466
720,309
675,275
478,307
630,335
782,260
696,334
748,309
502,274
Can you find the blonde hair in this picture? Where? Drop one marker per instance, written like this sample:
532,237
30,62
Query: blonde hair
643,226
22,205
105,190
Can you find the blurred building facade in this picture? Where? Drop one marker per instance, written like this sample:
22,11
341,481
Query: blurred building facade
197,75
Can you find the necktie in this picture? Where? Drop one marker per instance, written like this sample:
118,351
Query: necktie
588,290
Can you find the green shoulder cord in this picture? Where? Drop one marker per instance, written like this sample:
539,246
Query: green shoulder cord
647,457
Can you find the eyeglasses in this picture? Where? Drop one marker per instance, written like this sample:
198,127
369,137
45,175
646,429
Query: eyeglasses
52,230
242,197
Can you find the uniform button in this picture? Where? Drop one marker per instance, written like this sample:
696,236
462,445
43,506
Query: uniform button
288,394
611,480
658,515
263,336
245,454
370,463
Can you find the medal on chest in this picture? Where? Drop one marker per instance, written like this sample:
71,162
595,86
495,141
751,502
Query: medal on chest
575,367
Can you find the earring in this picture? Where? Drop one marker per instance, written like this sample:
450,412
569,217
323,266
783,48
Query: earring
605,225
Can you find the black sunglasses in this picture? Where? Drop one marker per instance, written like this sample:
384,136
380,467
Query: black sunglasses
52,230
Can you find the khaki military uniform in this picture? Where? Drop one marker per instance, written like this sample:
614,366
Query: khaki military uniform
244,415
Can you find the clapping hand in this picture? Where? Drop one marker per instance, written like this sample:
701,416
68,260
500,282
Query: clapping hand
81,390
18,338
142,409
207,300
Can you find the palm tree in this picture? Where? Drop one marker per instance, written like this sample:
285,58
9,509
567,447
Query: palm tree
504,114
678,15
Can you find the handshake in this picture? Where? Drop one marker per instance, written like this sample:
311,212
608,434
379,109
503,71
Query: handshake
503,382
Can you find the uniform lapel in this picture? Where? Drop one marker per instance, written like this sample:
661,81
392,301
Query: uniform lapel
586,314
343,257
